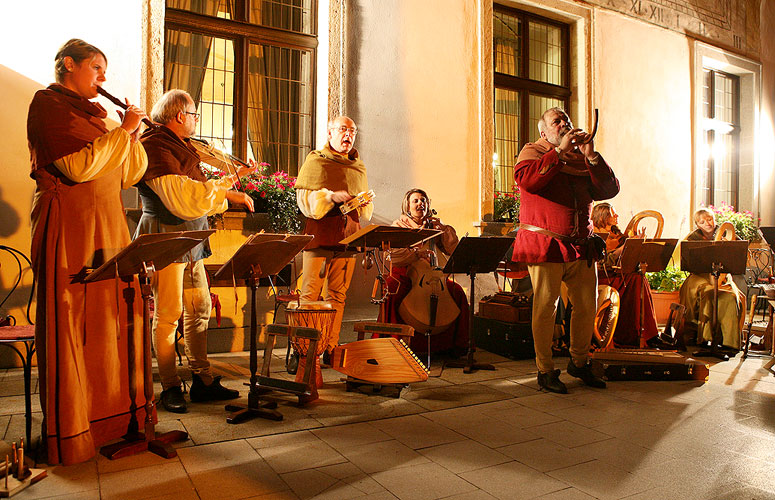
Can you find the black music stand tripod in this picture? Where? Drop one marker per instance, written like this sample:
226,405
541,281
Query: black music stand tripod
474,255
642,256
143,256
262,255
714,257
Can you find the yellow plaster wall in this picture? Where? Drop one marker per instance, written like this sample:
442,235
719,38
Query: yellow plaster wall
413,89
643,89
30,34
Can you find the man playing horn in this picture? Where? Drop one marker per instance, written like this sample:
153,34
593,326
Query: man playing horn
559,176
328,178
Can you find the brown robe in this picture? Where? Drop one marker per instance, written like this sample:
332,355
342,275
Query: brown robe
84,332
326,168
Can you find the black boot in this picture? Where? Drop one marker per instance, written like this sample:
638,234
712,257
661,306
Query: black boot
172,400
551,382
585,374
214,392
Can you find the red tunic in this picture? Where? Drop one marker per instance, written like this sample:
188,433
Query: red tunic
557,195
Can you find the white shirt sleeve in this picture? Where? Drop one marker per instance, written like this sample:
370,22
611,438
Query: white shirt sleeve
94,160
190,199
314,204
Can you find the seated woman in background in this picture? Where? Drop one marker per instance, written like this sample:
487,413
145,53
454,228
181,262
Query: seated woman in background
697,292
629,285
416,213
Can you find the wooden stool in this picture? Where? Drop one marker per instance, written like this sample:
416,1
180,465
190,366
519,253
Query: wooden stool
307,389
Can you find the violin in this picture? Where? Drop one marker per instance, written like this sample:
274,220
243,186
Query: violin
428,307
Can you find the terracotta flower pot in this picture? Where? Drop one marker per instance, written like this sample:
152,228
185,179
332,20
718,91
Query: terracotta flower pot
662,301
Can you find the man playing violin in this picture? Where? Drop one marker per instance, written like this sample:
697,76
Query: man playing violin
177,196
559,176
416,213
328,178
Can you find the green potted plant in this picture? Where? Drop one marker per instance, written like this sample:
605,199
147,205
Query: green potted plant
506,206
664,286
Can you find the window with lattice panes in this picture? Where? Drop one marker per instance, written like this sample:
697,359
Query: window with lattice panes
717,179
249,65
532,73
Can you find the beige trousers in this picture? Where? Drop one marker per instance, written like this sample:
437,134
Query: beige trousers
181,288
581,280
331,286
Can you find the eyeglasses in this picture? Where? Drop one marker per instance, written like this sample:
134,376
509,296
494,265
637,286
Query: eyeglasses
195,114
343,129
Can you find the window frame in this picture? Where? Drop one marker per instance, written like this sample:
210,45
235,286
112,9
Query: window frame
526,86
712,135
242,34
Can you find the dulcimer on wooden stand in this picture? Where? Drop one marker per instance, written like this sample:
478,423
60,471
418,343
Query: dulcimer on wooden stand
382,361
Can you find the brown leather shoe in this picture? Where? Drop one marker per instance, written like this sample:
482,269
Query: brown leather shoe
586,375
172,400
551,382
214,392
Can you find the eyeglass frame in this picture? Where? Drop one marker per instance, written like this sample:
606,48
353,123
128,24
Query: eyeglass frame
194,113
342,129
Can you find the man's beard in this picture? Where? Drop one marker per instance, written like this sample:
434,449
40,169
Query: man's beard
557,139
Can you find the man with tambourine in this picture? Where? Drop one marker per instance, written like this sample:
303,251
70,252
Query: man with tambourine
329,180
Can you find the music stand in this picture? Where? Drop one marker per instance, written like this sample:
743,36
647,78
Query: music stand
714,257
262,255
475,255
642,256
378,237
145,255
375,237
768,232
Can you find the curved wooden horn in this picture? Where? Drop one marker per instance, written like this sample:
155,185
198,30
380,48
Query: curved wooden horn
607,315
726,232
632,226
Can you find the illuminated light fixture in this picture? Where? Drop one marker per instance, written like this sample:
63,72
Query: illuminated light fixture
717,125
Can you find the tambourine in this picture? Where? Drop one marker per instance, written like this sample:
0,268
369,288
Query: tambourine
361,200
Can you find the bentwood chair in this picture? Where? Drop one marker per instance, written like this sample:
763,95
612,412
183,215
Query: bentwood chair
632,226
13,334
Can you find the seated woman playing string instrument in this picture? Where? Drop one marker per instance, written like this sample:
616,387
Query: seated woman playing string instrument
629,285
696,293
406,300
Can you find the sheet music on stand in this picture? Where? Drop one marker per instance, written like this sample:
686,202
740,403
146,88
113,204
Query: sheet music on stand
655,253
265,254
146,254
160,248
699,257
376,236
261,255
768,233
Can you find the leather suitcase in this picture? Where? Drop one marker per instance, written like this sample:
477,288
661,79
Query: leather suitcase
507,306
513,340
636,365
